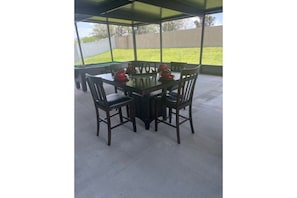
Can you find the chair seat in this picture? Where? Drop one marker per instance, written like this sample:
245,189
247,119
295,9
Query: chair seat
172,97
170,101
115,99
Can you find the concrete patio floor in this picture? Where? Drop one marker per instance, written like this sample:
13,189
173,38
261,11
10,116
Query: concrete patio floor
150,164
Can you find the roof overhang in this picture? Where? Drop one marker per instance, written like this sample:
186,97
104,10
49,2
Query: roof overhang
139,12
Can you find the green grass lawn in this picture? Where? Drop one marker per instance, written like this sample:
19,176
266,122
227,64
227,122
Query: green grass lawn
211,55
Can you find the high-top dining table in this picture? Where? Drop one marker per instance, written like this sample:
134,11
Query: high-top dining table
143,87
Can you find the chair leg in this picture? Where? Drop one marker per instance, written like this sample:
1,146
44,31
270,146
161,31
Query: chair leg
177,126
128,111
191,120
77,84
121,115
156,115
108,128
163,108
164,112
132,115
127,107
170,115
98,120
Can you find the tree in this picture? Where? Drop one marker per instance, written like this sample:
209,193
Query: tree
120,30
100,30
166,27
143,29
172,25
209,21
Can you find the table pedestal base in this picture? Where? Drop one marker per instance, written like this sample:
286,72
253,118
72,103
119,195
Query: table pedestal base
145,110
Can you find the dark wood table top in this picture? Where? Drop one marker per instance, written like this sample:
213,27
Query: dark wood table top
142,84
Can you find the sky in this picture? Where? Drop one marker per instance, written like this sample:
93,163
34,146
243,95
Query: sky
86,28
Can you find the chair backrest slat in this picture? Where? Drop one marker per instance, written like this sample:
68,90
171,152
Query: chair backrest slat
97,90
144,67
186,85
177,66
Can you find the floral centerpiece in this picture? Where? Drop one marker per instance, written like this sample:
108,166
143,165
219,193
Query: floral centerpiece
121,76
162,67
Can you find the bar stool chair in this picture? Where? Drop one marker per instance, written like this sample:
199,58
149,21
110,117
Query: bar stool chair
183,99
176,67
109,102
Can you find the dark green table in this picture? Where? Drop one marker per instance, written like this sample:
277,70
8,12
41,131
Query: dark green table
143,88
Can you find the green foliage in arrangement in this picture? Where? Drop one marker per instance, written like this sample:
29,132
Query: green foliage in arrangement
211,55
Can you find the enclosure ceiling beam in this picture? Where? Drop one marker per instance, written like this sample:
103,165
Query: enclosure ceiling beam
97,9
179,6
128,16
214,10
